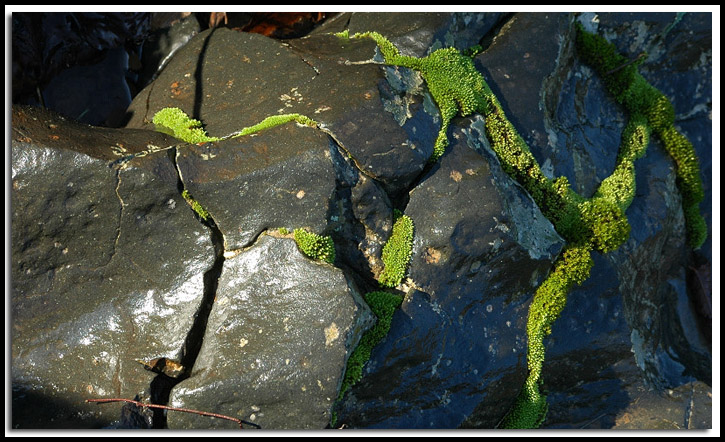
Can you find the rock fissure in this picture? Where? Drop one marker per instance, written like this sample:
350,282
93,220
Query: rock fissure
163,383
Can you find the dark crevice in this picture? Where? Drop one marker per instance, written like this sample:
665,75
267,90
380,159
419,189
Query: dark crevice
198,75
487,39
162,384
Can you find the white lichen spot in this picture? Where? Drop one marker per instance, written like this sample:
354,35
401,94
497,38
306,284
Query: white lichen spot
171,203
331,334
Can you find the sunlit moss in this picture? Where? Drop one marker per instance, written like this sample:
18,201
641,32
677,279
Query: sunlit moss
641,99
397,252
315,246
175,122
203,214
383,305
452,79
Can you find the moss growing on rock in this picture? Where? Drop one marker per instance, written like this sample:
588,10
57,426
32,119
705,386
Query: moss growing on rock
175,122
397,251
203,214
452,79
315,246
644,102
571,268
383,305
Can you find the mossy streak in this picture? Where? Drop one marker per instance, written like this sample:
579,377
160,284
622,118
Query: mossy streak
201,211
383,305
453,82
175,122
650,107
397,251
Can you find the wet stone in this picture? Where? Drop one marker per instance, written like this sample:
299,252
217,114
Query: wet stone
276,342
461,332
281,177
108,269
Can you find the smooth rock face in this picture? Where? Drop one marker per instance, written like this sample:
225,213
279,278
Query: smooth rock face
283,177
107,270
276,343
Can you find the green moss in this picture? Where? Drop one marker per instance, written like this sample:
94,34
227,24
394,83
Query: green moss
571,268
203,214
383,305
643,100
397,252
276,120
452,79
315,246
175,122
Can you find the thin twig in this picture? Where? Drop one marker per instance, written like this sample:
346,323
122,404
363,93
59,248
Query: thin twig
165,407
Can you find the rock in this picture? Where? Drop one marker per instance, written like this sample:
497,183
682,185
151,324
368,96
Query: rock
276,344
455,356
283,177
107,266
461,331
573,128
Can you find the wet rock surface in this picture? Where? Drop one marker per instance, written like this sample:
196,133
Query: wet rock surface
276,342
107,270
461,332
111,265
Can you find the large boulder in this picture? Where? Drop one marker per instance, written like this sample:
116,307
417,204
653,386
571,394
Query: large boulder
107,268
276,344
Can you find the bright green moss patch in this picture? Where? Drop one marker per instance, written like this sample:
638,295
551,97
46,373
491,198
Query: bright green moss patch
452,79
397,252
383,305
203,214
315,246
571,268
175,122
276,120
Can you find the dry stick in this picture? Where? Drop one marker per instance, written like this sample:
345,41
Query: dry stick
165,407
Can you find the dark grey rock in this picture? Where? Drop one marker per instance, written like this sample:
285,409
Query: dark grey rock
456,353
573,128
456,347
281,177
276,344
107,269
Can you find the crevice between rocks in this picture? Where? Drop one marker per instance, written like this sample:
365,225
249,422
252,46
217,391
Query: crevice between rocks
162,384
